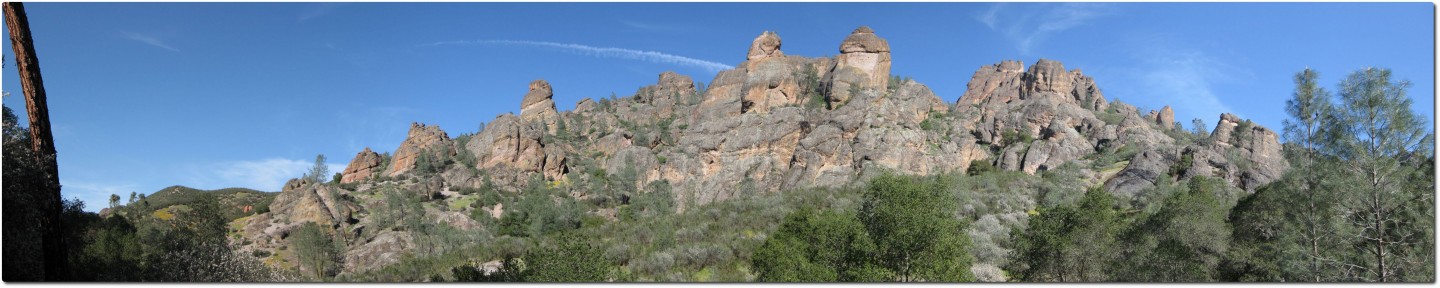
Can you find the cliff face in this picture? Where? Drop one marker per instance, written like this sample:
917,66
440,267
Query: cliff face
778,122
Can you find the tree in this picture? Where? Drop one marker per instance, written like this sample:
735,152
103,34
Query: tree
114,201
1374,131
318,171
1069,243
1197,127
823,246
569,259
42,143
1183,241
915,229
315,249
1287,230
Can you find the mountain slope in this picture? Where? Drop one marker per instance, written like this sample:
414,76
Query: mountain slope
774,123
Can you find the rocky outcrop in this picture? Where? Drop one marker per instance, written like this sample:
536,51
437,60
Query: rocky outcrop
1258,149
365,164
538,104
671,91
385,249
999,81
428,140
766,45
511,143
301,201
760,84
1043,117
863,63
1142,173
1166,118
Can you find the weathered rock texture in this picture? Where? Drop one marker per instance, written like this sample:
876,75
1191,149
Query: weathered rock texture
863,63
362,167
766,45
429,140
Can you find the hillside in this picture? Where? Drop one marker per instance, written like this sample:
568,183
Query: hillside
776,123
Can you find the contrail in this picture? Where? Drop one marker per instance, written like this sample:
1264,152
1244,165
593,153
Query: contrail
603,52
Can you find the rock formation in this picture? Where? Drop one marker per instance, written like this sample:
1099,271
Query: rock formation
765,46
755,130
1166,119
863,63
362,167
421,139
538,104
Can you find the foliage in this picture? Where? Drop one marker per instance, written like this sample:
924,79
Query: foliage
1183,241
316,249
318,171
915,229
826,246
1069,243
570,259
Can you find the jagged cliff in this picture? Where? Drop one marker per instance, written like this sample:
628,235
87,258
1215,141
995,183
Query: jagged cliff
778,122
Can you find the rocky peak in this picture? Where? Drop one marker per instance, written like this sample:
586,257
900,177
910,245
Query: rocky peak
672,79
1048,77
1004,83
362,167
538,102
767,45
999,81
1166,118
421,139
868,53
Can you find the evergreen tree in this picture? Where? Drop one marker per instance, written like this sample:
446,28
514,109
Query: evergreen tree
1374,131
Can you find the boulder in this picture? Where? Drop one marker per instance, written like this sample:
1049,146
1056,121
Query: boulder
1166,119
365,164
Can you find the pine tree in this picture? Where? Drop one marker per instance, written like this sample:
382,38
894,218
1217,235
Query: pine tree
1374,131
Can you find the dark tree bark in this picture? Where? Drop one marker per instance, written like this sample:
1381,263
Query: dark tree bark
42,143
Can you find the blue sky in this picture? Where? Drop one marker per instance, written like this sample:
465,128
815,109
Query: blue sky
214,95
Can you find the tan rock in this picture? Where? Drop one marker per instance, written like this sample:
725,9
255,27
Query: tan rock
421,139
1166,118
767,45
865,59
362,167
538,104
515,144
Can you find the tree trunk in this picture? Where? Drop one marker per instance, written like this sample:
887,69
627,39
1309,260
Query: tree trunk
42,144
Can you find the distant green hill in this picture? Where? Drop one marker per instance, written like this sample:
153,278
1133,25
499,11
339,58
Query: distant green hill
233,201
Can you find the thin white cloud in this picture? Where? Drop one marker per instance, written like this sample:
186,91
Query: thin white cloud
650,26
990,15
317,11
265,175
602,52
1186,80
148,39
1053,18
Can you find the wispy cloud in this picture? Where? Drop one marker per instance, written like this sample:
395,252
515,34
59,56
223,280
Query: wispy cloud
317,11
1016,24
651,26
265,174
1185,79
601,52
148,39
